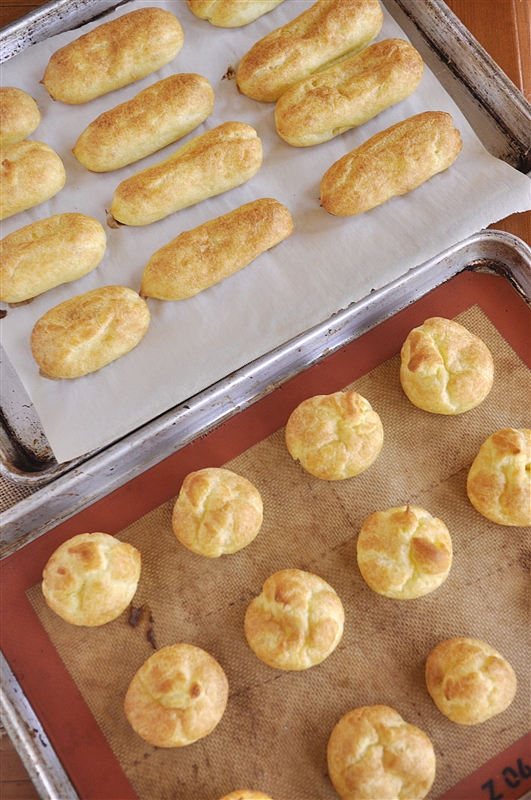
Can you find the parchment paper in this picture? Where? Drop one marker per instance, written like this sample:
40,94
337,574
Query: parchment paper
326,264
274,732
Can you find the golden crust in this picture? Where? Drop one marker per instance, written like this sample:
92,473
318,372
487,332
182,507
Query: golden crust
327,32
216,512
331,102
404,552
499,480
373,753
296,622
246,794
206,255
155,117
47,253
86,332
91,578
445,369
231,13
19,115
469,681
334,436
393,162
113,55
30,173
207,165
177,696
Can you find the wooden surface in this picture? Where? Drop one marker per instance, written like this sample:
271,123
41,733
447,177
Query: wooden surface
503,27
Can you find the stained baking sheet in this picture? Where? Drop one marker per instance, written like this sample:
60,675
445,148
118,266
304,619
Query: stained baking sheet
489,571
285,292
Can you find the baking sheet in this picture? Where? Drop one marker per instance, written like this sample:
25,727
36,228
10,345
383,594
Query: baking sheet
308,526
286,290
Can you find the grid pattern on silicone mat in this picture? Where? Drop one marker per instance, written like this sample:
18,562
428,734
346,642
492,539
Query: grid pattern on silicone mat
274,733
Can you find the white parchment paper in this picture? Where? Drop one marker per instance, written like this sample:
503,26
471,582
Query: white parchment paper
327,263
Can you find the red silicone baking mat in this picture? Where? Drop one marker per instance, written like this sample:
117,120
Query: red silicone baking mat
76,736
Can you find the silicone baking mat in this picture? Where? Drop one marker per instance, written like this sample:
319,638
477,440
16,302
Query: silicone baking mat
274,732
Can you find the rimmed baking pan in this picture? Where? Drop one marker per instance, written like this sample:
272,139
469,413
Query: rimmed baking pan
75,686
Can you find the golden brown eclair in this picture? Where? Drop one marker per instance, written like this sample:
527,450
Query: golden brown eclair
207,165
113,55
154,118
47,253
30,173
207,254
393,162
19,115
231,13
87,332
331,102
327,32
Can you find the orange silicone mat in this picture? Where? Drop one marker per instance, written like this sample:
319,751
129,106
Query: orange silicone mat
274,732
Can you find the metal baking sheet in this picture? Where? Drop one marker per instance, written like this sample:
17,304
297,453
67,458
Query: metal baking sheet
491,252
497,110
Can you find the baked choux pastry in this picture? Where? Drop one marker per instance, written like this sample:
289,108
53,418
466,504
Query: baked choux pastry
296,622
469,681
48,253
89,331
334,436
231,13
91,578
499,480
160,114
348,94
30,174
177,696
404,552
113,54
216,512
391,163
445,369
19,115
373,754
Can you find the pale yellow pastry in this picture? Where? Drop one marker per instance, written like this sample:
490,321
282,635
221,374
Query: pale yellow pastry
113,54
296,622
216,512
91,578
231,13
499,480
19,115
345,96
159,115
334,436
246,794
445,369
206,255
31,173
213,162
87,332
325,33
404,552
469,681
392,162
374,754
47,253
177,696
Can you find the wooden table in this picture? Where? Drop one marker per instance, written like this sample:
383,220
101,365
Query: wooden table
503,27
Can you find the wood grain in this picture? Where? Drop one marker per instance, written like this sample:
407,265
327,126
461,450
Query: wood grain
503,27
